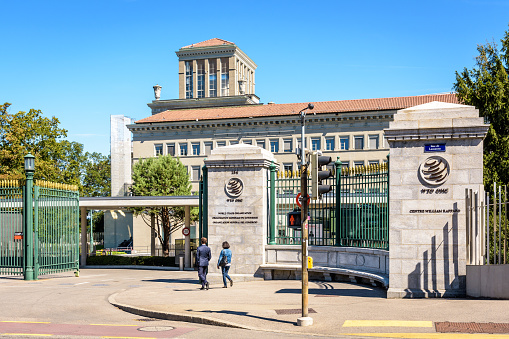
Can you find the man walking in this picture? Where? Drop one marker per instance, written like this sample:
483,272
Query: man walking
203,256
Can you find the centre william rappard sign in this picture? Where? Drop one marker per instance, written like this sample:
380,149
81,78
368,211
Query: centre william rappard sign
236,211
434,171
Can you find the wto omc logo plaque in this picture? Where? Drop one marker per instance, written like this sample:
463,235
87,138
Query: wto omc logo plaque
234,187
434,170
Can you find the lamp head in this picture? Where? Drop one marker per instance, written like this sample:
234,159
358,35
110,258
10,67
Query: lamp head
311,106
29,163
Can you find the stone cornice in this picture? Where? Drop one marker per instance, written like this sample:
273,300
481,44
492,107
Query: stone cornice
468,132
323,118
236,163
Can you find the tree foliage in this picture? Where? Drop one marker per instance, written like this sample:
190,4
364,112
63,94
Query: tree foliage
486,87
56,159
162,176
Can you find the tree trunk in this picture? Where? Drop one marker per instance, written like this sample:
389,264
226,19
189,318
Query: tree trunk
165,220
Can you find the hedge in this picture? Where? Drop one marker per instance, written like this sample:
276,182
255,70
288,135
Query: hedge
123,260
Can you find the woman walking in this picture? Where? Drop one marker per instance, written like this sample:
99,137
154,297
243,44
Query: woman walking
225,261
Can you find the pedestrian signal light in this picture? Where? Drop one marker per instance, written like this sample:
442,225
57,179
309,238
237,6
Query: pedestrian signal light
318,174
294,220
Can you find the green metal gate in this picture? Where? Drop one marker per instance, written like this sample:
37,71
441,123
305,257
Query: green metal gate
355,213
11,227
54,244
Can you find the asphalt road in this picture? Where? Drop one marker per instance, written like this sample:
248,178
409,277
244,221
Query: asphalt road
64,306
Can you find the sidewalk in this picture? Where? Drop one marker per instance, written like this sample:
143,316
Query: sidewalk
275,306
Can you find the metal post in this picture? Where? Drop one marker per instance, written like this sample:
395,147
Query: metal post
83,214
28,230
305,320
152,234
338,200
205,205
272,226
187,246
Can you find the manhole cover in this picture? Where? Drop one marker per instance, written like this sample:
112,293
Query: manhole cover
448,327
155,328
293,311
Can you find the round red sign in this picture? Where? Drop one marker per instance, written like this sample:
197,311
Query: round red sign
186,231
298,199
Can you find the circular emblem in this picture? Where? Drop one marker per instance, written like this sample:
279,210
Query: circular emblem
434,170
234,187
186,231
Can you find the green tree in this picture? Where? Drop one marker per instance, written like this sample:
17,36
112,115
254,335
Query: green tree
96,180
486,87
56,159
161,176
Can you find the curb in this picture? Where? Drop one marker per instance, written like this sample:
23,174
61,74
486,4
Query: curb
175,316
138,267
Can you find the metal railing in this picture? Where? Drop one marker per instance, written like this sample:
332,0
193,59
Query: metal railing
354,213
487,227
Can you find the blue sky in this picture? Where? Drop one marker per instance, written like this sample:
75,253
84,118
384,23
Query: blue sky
82,61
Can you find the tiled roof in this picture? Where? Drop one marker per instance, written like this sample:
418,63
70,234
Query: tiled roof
210,42
272,110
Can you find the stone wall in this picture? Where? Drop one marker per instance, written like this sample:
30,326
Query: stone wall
436,152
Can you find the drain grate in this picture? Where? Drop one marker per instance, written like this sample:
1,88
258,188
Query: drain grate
155,328
146,319
448,327
293,311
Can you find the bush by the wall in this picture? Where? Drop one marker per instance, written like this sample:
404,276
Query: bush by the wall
123,260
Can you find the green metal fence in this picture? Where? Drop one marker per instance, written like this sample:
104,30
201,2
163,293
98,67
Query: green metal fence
11,227
56,224
55,240
354,213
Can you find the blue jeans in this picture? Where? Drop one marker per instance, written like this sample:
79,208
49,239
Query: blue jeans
225,270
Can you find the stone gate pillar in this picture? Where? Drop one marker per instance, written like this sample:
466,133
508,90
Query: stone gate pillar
238,207
436,151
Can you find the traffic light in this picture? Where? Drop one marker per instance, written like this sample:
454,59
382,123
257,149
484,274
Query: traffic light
294,220
317,175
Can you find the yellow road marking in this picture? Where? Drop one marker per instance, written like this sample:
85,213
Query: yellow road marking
387,323
112,325
34,334
25,322
431,335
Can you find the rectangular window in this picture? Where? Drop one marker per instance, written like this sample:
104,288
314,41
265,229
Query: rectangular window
329,144
247,142
288,167
170,149
224,78
208,147
358,163
344,143
359,142
345,165
221,143
196,148
373,162
189,79
158,150
287,144
200,79
183,148
373,142
234,142
196,173
274,146
305,142
315,144
260,143
212,78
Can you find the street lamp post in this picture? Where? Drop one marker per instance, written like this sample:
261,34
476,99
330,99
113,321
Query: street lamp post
28,229
305,320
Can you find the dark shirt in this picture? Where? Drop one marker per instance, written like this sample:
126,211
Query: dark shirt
203,255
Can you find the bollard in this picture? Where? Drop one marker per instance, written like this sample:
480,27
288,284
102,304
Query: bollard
181,263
